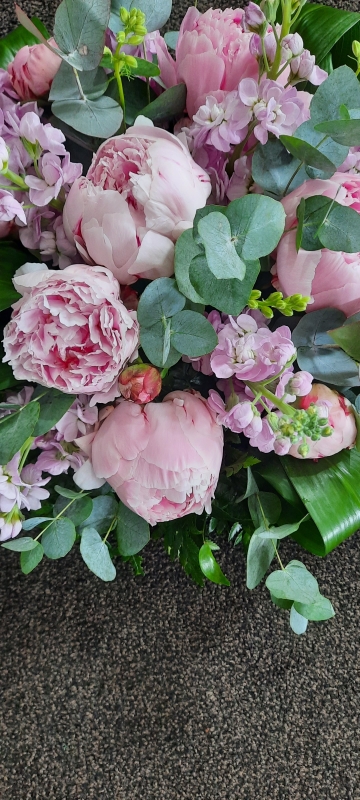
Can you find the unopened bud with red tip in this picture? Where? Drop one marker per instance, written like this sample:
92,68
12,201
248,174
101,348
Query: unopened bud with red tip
140,383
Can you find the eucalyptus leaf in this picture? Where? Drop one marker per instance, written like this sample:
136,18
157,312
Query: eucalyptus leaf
53,405
303,151
217,239
79,31
264,504
298,623
192,335
280,602
171,39
317,352
160,299
33,522
320,609
340,230
65,86
185,250
65,492
132,532
273,167
312,212
22,545
15,429
29,559
348,337
209,566
100,118
157,12
257,223
229,296
346,132
59,538
96,555
104,512
79,511
152,342
334,152
294,582
259,557
280,532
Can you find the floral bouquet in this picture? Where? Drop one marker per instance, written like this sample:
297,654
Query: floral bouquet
180,288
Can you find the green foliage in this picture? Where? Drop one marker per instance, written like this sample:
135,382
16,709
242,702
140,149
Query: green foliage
104,512
15,429
95,553
22,545
58,538
298,623
326,223
312,156
157,12
348,337
317,351
132,532
326,30
80,102
259,557
320,609
294,582
12,257
346,131
167,105
29,559
79,31
53,405
180,543
79,510
273,167
209,565
166,331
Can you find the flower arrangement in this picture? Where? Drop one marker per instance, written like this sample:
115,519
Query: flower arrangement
180,288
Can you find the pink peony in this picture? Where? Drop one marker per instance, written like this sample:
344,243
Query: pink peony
131,451
340,418
33,70
142,191
331,278
71,331
212,53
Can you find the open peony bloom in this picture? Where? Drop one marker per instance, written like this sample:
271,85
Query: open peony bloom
331,278
157,481
212,53
142,191
340,417
71,331
33,70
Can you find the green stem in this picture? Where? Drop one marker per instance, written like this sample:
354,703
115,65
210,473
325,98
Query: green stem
60,514
280,404
238,150
285,29
16,179
25,452
287,187
117,73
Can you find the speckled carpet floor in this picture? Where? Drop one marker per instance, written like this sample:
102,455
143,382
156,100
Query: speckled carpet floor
148,689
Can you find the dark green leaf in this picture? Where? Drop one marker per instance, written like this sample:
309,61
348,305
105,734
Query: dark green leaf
53,405
29,559
314,210
305,152
317,352
78,511
185,250
251,486
229,296
96,555
294,582
348,337
322,27
264,504
64,492
192,335
278,601
79,31
210,567
169,104
321,609
136,96
15,429
340,231
21,545
16,39
145,69
132,532
12,258
300,213
160,299
273,167
298,623
59,538
334,152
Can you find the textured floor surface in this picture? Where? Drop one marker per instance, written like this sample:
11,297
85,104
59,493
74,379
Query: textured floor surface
148,689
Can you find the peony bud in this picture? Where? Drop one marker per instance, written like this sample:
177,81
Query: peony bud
140,383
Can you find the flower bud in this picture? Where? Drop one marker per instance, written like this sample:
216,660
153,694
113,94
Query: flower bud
140,383
255,20
135,40
270,7
4,156
124,15
130,61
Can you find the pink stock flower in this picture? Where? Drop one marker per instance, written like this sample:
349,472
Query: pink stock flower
71,331
273,109
220,122
78,420
212,53
341,420
237,418
140,383
241,179
142,191
131,451
48,137
10,208
249,352
352,162
254,19
60,457
331,278
32,492
56,174
33,69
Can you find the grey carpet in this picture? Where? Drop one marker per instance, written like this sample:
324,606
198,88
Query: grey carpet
149,689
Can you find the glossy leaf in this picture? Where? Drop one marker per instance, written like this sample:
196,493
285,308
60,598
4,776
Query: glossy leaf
210,567
29,559
96,555
145,69
170,103
59,538
322,27
16,39
15,429
132,532
53,405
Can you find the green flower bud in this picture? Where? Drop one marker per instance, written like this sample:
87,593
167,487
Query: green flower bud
124,15
303,450
135,40
326,431
131,61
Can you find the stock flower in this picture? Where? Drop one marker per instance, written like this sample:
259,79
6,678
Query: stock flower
142,191
251,352
140,383
49,138
331,278
338,411
273,108
71,331
33,70
55,174
220,122
10,208
212,53
157,481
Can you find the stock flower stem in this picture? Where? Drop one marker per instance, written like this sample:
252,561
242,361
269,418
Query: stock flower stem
16,179
280,404
285,28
